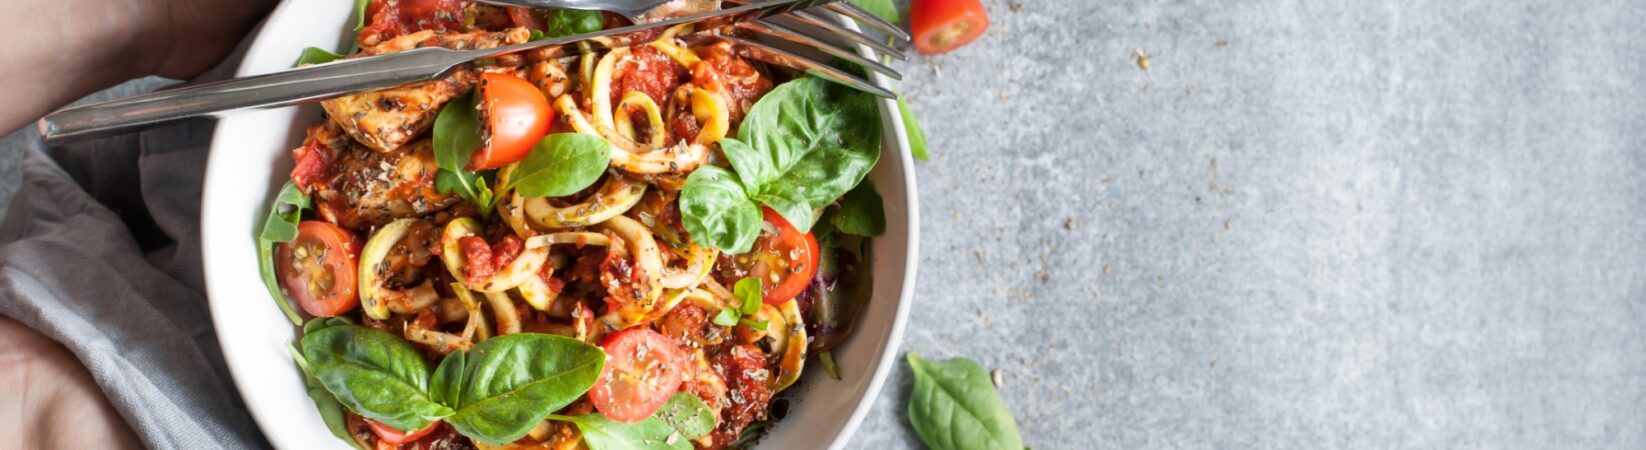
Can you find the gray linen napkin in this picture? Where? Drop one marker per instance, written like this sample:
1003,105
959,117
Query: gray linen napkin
100,251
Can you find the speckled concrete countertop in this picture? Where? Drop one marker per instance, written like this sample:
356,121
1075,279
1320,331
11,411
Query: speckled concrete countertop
1339,224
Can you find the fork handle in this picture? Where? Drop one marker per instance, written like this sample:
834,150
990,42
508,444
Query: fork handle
277,89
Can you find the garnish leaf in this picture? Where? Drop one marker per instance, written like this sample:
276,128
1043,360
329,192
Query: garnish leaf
316,55
510,383
800,147
861,212
280,226
749,291
375,374
561,164
886,9
716,211
954,406
727,318
601,433
688,415
567,22
360,14
456,137
911,127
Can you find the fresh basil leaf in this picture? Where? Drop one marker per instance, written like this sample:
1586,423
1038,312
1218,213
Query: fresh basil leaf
456,134
749,291
757,325
728,317
601,433
446,386
861,212
280,226
320,323
688,415
811,140
315,55
954,406
511,383
561,164
911,127
456,137
375,374
789,202
886,9
331,412
567,22
716,211
360,14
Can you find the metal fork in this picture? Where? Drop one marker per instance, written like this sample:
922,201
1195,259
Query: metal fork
323,81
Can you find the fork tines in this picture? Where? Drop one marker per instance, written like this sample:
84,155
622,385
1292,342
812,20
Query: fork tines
809,29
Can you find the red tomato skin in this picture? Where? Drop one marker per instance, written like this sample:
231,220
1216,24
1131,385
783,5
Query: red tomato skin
660,382
793,283
515,115
386,435
943,25
336,240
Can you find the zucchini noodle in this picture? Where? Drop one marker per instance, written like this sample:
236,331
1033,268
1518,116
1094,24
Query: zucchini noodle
654,118
615,197
629,156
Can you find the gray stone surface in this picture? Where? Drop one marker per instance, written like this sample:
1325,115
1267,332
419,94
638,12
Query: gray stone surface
1325,224
1330,224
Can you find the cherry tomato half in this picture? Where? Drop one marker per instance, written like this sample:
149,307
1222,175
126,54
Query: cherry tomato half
514,116
784,261
943,25
318,268
643,369
396,437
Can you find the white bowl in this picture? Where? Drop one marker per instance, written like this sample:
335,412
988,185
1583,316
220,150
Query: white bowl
250,160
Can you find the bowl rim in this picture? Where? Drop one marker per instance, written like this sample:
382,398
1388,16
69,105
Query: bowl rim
893,129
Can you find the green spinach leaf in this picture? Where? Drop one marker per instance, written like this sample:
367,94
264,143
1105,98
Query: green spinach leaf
510,383
567,22
456,137
800,147
716,211
331,412
375,374
911,127
886,9
861,212
601,433
561,164
688,415
315,55
280,226
954,406
360,14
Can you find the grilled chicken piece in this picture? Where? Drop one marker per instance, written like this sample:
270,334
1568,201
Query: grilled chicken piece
358,188
385,119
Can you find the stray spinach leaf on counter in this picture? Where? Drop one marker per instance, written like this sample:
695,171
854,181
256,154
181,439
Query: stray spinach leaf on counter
799,148
561,164
688,415
954,406
280,226
456,137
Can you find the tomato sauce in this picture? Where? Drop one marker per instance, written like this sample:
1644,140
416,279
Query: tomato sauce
485,260
388,19
649,71
747,381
